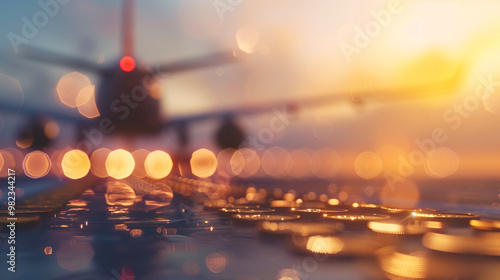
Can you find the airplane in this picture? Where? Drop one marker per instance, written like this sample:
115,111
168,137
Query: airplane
128,105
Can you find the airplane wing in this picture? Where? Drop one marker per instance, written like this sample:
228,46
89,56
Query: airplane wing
32,110
197,63
438,88
45,56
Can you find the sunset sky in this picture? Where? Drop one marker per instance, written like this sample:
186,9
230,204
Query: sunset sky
377,51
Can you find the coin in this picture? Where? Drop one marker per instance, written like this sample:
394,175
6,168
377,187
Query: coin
486,243
356,221
254,218
315,212
337,245
229,211
300,228
458,219
487,225
414,227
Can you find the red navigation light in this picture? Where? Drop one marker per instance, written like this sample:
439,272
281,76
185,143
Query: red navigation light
127,63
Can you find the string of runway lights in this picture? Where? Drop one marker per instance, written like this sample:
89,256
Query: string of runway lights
275,162
119,164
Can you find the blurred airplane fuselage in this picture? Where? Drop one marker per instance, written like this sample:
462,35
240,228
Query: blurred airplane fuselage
128,102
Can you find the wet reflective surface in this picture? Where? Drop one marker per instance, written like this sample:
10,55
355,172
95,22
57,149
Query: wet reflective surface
180,228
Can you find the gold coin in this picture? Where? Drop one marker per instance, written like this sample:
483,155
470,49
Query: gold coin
487,225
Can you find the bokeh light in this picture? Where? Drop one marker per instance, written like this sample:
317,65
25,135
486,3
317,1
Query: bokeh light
36,164
203,163
158,164
1,161
224,162
441,162
51,129
98,162
74,254
245,162
247,38
368,165
491,98
120,164
69,87
277,162
85,101
25,139
216,262
127,63
140,159
75,164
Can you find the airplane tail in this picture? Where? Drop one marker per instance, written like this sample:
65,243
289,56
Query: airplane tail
128,28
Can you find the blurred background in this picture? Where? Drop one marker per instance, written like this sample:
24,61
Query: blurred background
321,105
420,79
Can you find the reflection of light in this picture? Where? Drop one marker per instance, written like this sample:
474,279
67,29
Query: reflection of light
324,244
356,217
74,254
75,164
69,87
333,201
409,266
51,129
120,164
121,227
119,193
136,233
98,160
203,163
247,38
48,250
441,162
400,193
86,102
139,158
158,164
127,63
76,203
216,262
160,197
393,228
368,165
36,164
